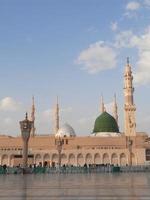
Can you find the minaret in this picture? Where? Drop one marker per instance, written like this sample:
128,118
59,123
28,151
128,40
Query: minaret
33,118
56,126
129,107
102,107
115,109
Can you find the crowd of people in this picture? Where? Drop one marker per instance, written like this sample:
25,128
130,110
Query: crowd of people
54,168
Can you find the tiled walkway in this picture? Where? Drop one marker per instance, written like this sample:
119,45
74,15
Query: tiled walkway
133,186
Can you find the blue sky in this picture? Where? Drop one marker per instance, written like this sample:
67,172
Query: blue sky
75,49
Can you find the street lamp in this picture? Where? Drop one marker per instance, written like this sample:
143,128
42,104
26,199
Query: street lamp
59,145
25,127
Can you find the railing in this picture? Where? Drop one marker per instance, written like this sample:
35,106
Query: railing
75,170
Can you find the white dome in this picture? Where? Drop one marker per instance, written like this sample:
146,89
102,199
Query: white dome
66,130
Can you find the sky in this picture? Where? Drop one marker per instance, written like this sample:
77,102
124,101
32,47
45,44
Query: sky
76,50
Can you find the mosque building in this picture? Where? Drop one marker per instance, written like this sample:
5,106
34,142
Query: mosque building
105,145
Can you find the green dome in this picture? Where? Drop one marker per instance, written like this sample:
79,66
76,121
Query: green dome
105,123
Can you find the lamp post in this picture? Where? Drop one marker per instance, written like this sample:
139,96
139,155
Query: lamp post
25,127
59,145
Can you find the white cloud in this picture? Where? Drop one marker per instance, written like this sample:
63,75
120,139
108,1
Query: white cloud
97,57
9,104
147,3
66,110
8,121
100,56
114,26
132,6
50,112
83,121
131,9
126,39
142,43
142,75
87,121
47,113
123,39
109,107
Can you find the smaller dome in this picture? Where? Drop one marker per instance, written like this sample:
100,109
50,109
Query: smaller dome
65,131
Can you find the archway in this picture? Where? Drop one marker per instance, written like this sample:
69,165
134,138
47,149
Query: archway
5,159
71,159
46,160
12,161
80,160
114,159
97,158
54,159
106,158
38,159
123,159
88,159
63,159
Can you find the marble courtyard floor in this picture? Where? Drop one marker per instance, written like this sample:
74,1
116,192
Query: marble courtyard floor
117,186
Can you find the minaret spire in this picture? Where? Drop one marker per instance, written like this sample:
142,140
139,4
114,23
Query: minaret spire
128,62
26,117
102,107
56,127
115,109
33,117
129,106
